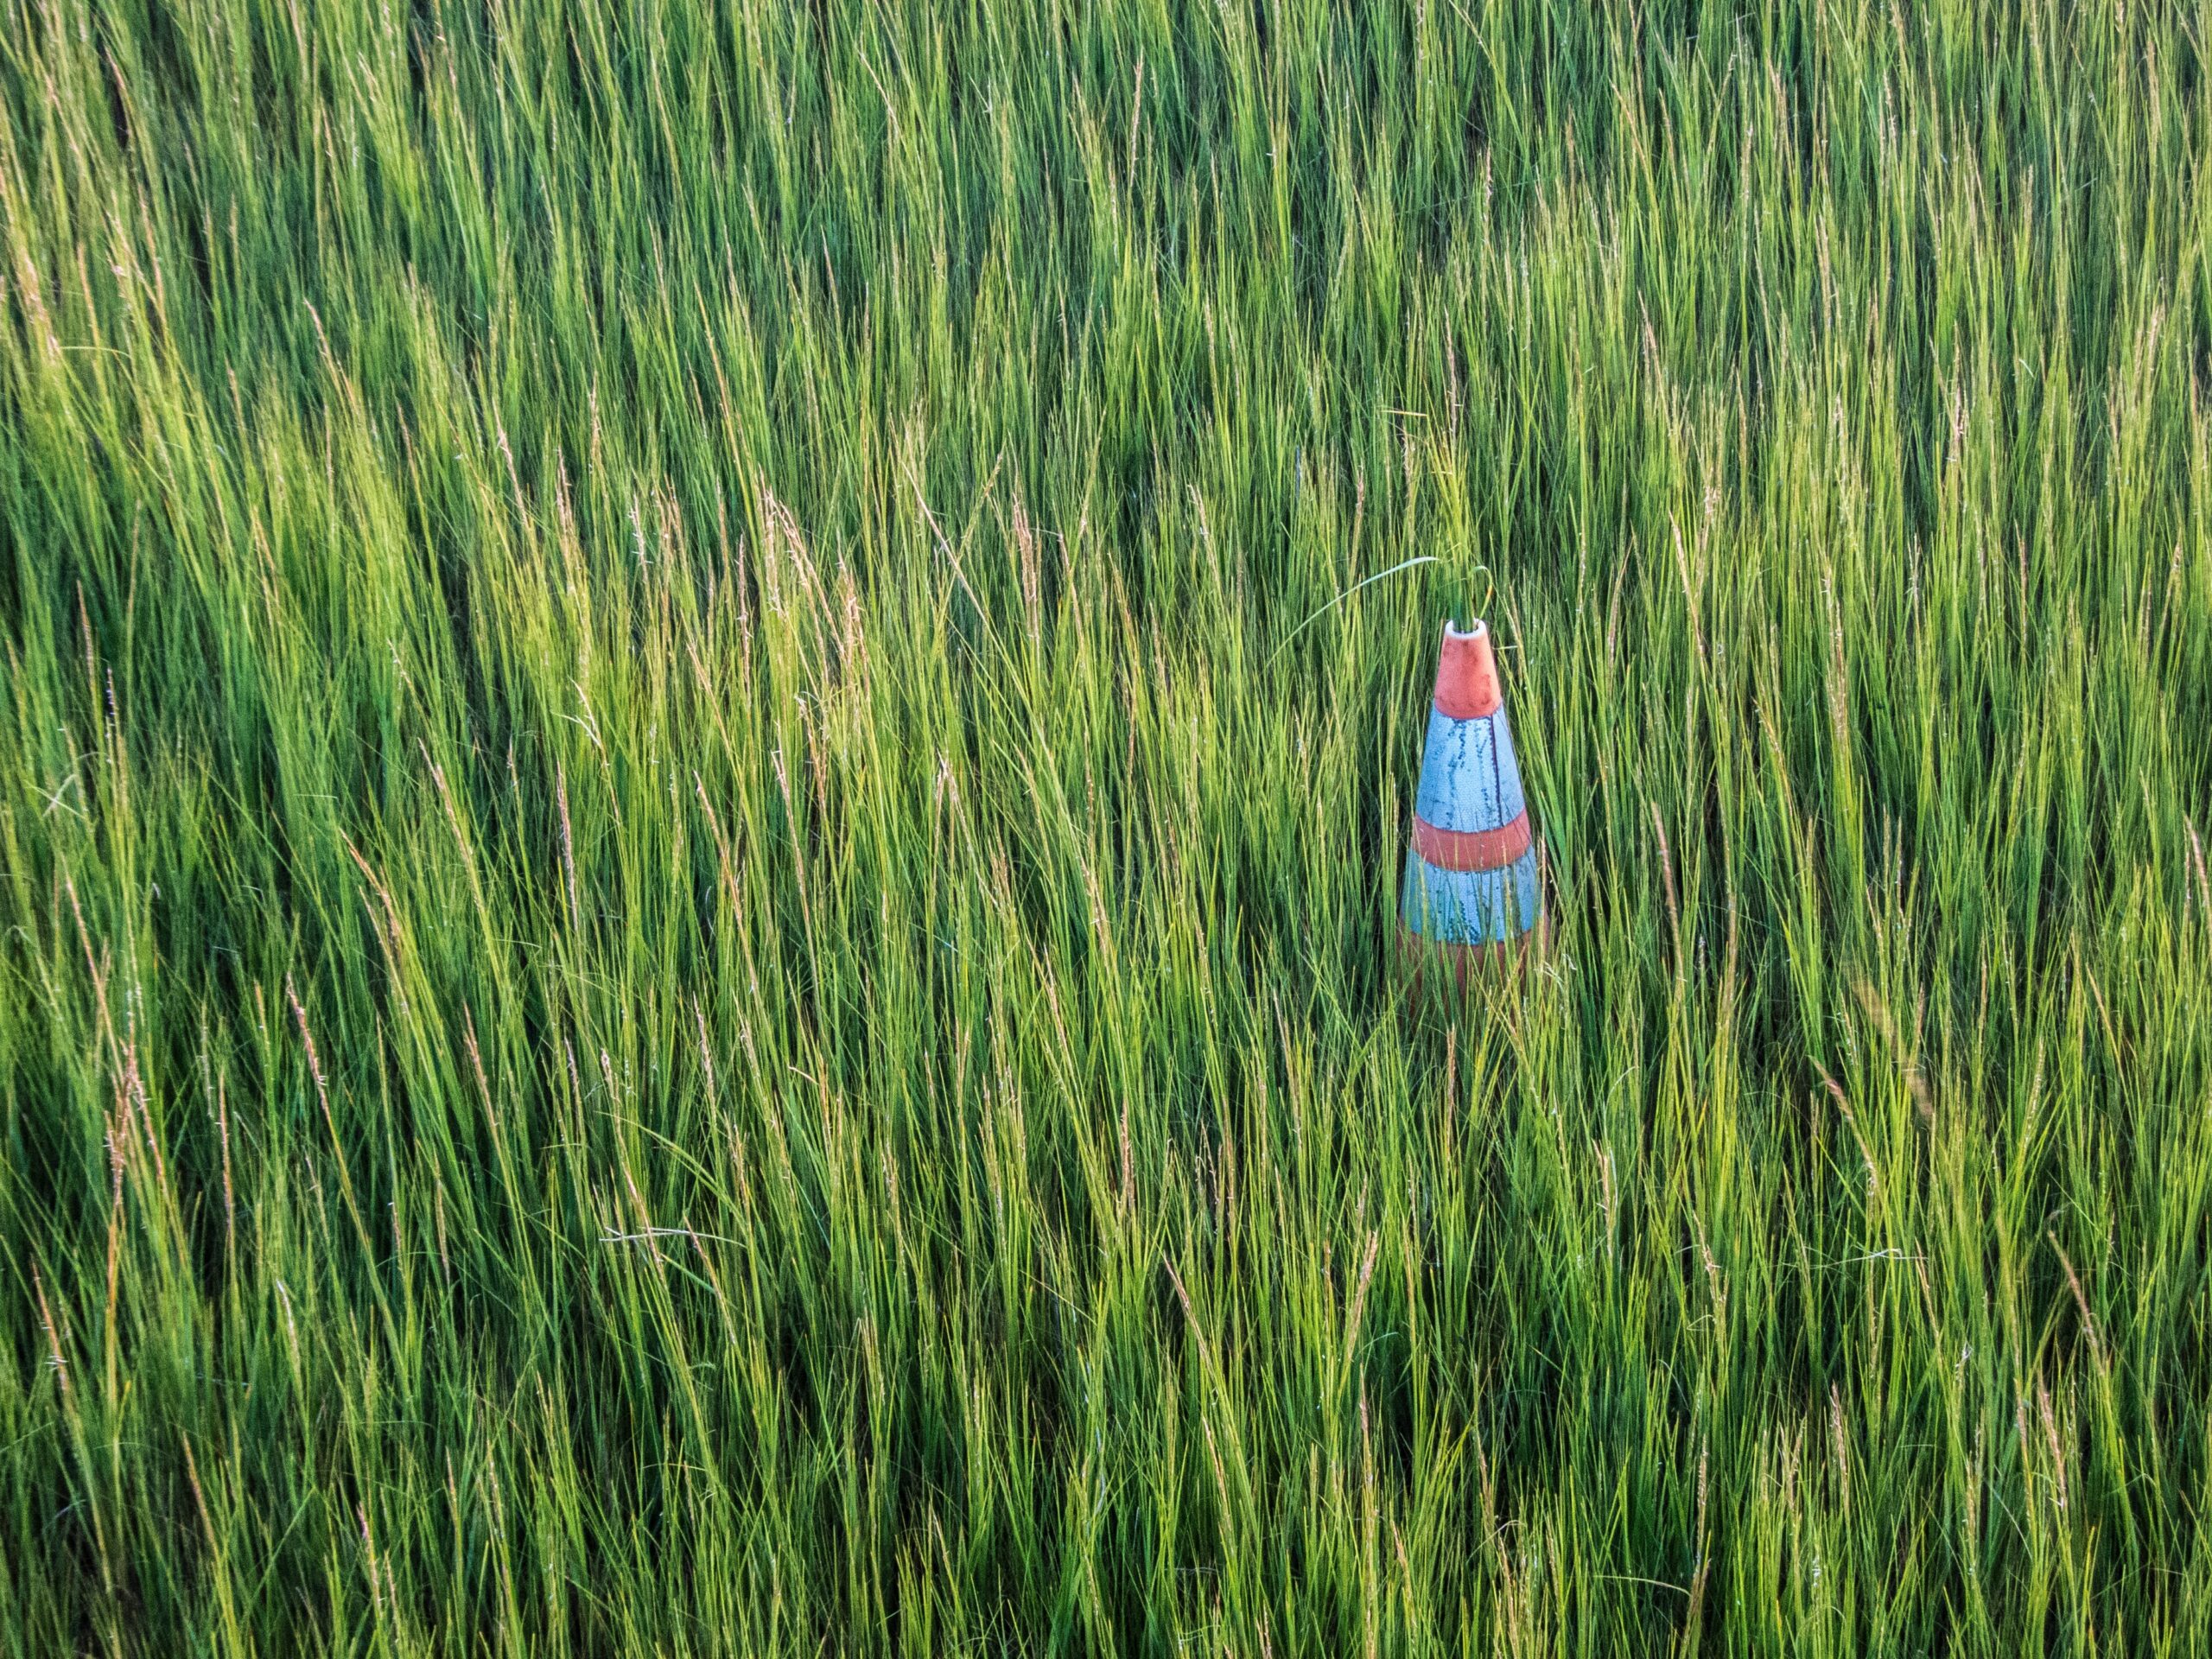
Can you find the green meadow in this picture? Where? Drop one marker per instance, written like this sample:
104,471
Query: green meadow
706,729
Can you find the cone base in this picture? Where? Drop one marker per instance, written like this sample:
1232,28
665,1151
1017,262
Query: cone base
1449,972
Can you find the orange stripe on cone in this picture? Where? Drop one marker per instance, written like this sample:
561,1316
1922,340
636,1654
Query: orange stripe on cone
1472,850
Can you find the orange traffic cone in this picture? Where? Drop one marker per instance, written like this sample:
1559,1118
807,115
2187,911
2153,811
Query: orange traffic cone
1474,889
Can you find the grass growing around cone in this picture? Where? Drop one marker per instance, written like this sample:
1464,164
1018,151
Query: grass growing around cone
683,968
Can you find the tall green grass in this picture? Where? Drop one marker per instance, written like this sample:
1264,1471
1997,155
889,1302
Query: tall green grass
687,963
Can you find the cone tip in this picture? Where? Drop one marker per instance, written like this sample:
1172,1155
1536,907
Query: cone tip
1466,673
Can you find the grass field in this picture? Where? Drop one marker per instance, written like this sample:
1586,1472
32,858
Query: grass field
693,958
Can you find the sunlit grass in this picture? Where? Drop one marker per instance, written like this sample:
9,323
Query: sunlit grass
695,928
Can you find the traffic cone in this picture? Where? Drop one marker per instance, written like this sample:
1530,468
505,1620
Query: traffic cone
1474,889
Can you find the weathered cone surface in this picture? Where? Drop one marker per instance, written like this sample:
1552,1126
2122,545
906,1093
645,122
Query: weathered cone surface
1473,891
